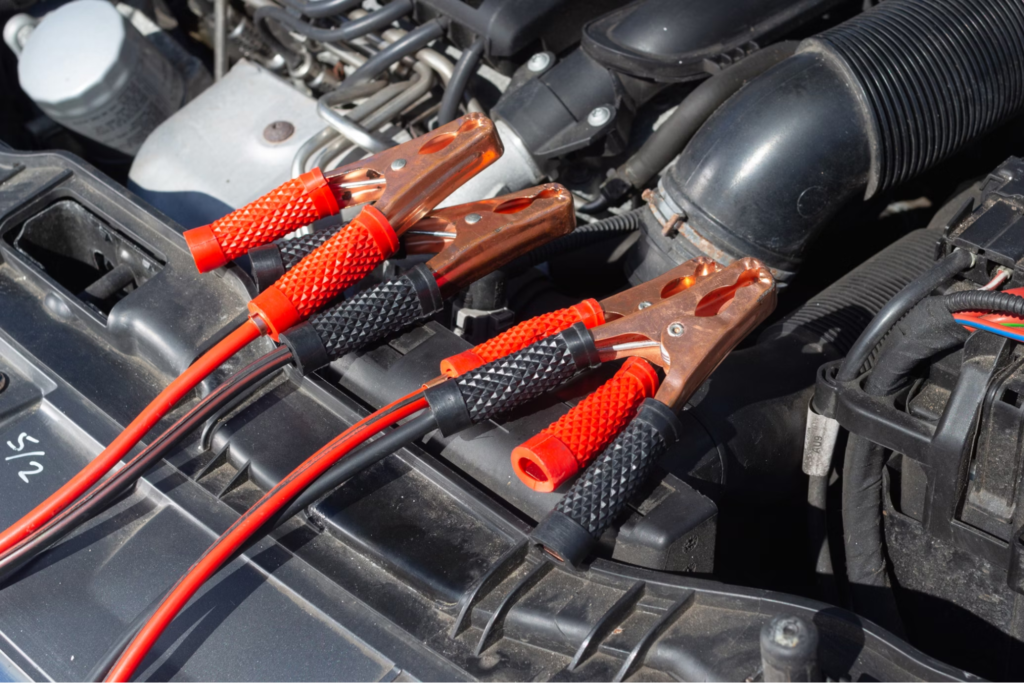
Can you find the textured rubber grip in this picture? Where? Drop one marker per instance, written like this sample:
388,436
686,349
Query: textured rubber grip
558,452
336,265
524,334
290,206
298,248
503,384
374,313
598,497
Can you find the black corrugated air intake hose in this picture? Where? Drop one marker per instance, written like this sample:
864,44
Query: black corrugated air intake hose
860,108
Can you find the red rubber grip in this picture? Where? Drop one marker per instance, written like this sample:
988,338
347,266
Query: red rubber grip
330,269
544,462
588,312
290,206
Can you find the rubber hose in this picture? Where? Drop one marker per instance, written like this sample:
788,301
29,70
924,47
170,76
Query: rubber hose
463,71
861,108
673,134
864,535
349,30
319,9
408,44
582,236
898,306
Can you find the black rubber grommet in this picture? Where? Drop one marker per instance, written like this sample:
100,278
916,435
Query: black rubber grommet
308,352
449,407
563,538
267,266
581,346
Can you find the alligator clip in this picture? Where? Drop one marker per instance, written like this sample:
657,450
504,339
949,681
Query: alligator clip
558,452
470,241
422,173
474,239
405,181
687,326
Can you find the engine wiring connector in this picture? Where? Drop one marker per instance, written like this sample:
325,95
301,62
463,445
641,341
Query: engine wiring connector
405,181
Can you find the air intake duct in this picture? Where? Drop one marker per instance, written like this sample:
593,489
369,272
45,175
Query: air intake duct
860,108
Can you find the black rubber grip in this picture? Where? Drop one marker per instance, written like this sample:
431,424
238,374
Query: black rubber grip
376,312
295,249
507,382
600,495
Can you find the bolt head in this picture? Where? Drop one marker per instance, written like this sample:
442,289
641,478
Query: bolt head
643,305
599,116
278,131
398,164
539,62
473,218
676,330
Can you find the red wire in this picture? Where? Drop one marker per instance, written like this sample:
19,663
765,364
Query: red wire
131,435
249,523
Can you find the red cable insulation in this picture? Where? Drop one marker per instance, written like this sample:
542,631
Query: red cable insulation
249,523
127,439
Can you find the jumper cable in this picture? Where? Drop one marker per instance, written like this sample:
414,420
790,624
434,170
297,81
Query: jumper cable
435,164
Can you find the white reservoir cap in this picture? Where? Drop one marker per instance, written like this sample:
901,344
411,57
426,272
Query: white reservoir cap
73,52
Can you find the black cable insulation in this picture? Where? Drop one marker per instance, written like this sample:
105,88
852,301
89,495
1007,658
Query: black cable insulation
100,497
584,235
936,276
355,462
349,30
320,9
463,71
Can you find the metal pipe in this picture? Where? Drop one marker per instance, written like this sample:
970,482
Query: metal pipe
220,39
420,86
308,148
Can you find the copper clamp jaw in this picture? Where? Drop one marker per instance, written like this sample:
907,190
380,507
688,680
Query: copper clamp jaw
474,239
409,180
687,321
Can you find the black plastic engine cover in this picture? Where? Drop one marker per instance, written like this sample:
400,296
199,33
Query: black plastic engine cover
682,40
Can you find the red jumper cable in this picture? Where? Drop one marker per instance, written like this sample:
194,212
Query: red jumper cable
435,164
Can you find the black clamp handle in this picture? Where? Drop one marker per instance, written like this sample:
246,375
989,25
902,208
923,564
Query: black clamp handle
508,382
367,317
596,500
270,261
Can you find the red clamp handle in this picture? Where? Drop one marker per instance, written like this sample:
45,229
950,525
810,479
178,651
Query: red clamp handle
290,206
333,267
528,332
544,462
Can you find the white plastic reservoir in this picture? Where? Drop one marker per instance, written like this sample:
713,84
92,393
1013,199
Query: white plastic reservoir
91,71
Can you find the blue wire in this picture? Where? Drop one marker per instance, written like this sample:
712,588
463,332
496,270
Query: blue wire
994,328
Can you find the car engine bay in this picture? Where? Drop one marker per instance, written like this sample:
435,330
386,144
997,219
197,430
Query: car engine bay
512,340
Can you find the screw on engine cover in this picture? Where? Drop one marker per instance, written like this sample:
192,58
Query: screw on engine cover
398,164
473,218
642,305
676,330
278,131
599,116
539,62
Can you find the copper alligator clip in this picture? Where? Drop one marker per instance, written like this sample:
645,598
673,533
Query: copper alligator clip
474,239
405,181
687,325
568,445
470,241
